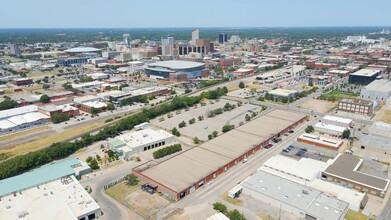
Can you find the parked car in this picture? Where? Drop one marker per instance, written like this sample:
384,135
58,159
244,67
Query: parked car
291,147
286,150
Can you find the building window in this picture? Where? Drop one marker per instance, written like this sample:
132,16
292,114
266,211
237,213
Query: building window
145,148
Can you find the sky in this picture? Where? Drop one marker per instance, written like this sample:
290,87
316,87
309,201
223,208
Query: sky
196,13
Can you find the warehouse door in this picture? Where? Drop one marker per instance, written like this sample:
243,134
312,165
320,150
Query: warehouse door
192,189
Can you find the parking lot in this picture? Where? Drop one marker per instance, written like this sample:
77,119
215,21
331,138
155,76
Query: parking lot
201,129
312,152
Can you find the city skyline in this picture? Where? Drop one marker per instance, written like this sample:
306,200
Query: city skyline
132,14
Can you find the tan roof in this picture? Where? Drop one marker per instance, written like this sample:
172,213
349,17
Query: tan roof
189,167
345,166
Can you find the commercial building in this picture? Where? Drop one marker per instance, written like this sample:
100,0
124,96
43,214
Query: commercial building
22,81
281,93
176,70
131,143
295,198
75,61
167,46
191,169
356,200
22,117
319,80
329,129
223,38
93,105
195,35
358,106
51,110
338,121
320,141
15,50
52,188
82,50
364,76
131,94
378,90
97,60
300,171
345,171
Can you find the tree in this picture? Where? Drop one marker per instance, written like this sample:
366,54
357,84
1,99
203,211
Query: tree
196,140
235,215
261,98
110,153
93,164
200,118
94,111
7,103
214,133
131,180
309,129
241,85
284,99
210,136
346,134
175,132
44,98
45,86
110,106
59,117
220,207
247,117
227,128
227,106
192,121
182,124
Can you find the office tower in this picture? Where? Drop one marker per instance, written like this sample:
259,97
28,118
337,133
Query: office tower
15,49
195,35
127,39
223,38
167,46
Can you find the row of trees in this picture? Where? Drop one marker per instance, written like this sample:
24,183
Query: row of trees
59,117
22,163
167,151
232,215
7,103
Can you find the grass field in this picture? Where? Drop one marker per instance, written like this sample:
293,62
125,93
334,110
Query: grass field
22,133
48,73
338,95
353,215
264,216
46,141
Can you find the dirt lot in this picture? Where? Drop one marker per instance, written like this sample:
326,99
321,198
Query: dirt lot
319,105
386,116
201,129
137,200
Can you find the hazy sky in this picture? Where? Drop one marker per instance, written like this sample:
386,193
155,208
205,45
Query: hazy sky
195,13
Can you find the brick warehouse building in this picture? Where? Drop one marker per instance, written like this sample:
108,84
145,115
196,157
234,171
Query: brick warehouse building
199,165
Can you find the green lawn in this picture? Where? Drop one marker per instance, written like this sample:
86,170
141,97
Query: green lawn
336,95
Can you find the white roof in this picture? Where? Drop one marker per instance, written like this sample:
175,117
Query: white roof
321,140
350,196
177,64
365,72
381,85
82,50
18,111
218,216
321,125
143,137
282,92
305,168
95,104
5,124
59,201
337,119
85,98
27,118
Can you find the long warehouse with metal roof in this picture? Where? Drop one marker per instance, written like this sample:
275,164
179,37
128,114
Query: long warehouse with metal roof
191,169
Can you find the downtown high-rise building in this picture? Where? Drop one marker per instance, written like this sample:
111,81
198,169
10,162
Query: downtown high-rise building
167,46
195,35
15,50
127,39
223,37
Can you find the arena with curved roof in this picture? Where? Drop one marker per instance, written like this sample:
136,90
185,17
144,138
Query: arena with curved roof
82,50
176,70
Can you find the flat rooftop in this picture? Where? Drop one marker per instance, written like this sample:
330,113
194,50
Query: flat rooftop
381,85
321,125
59,199
38,176
282,92
310,201
337,119
358,101
345,166
185,169
176,64
366,72
142,137
321,140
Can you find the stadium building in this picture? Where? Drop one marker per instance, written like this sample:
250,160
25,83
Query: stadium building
176,70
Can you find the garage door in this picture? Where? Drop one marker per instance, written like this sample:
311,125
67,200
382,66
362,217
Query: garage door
192,189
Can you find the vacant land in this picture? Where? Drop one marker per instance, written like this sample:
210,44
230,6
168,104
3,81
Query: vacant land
22,133
319,105
353,215
47,73
336,95
386,116
137,200
48,140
